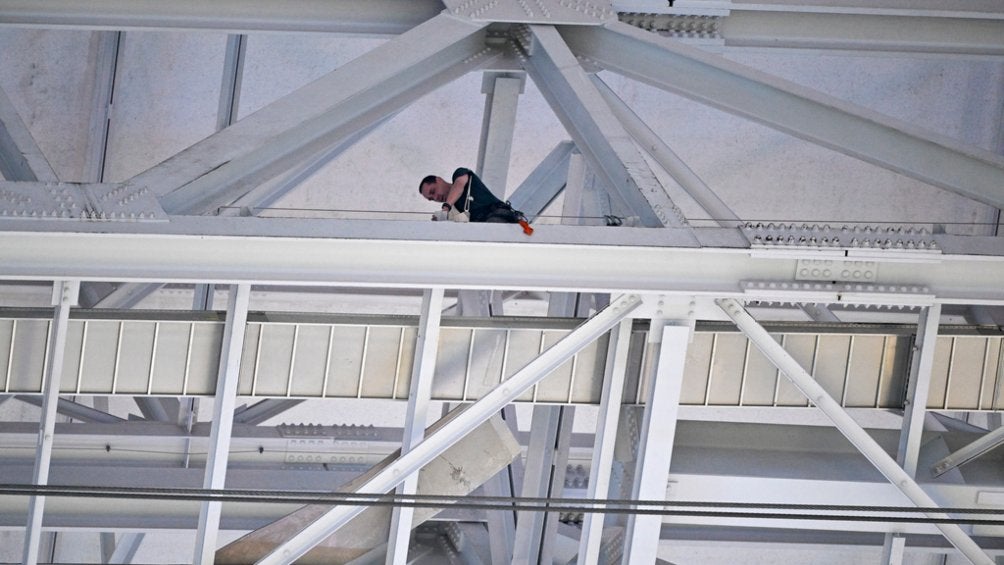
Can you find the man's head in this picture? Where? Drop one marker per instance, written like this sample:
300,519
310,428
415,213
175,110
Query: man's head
434,188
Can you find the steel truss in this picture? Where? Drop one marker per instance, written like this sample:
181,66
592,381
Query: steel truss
136,231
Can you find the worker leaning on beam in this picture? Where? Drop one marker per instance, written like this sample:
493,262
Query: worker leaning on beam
466,198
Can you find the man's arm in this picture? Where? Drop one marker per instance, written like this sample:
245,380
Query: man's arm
457,189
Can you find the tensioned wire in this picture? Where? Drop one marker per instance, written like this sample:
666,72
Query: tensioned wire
567,505
833,223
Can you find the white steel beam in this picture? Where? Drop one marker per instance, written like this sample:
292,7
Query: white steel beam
989,441
263,195
417,415
224,166
544,459
544,183
937,32
230,84
398,254
918,386
126,547
667,158
366,17
551,426
595,130
655,444
501,92
263,410
20,157
64,296
105,64
223,421
849,428
156,409
914,413
458,427
72,409
793,109
267,193
603,445
781,488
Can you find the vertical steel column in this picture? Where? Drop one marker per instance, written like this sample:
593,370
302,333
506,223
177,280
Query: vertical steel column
451,432
64,295
502,524
551,426
603,444
915,409
658,431
230,86
849,428
543,477
501,92
419,396
109,43
223,420
917,389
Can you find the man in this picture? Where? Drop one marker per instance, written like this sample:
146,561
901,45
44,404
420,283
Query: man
467,195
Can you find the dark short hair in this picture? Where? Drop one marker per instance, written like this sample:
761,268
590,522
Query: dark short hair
427,180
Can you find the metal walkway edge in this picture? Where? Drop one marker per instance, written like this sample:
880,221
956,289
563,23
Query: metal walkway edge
323,356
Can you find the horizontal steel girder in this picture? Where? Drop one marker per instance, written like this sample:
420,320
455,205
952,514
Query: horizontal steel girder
376,17
404,254
942,32
141,352
954,30
793,109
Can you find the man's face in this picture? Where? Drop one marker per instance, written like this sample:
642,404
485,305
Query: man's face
435,191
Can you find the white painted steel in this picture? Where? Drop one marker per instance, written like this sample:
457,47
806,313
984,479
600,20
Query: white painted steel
458,427
20,157
595,130
849,428
105,64
230,84
603,445
936,32
419,397
378,17
501,101
226,165
971,451
544,183
914,413
893,549
223,421
64,295
657,434
918,389
126,547
651,143
399,254
790,108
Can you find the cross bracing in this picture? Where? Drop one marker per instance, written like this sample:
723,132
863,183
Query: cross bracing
896,225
